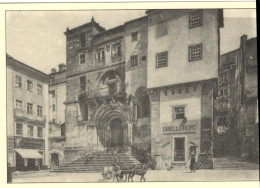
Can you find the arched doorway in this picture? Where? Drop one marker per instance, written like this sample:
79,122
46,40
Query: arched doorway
113,122
117,133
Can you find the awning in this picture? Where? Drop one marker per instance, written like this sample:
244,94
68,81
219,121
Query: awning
29,153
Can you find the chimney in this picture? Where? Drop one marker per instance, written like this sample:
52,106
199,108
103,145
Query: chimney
62,67
53,70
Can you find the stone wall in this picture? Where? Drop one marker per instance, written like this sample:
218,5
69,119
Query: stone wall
136,76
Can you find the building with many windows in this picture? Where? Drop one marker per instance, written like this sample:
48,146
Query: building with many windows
27,116
57,97
182,74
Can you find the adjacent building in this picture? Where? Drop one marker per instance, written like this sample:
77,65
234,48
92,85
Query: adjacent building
27,116
224,140
182,72
236,124
245,117
57,97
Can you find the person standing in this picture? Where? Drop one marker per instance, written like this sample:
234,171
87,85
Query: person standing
192,163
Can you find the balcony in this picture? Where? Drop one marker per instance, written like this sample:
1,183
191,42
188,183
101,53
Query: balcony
22,115
113,91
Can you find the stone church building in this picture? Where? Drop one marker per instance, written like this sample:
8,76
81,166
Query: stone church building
123,83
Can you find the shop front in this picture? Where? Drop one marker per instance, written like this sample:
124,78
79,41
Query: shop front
28,159
179,141
29,153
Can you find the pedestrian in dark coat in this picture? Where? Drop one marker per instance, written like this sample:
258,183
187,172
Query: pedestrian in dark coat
192,163
9,173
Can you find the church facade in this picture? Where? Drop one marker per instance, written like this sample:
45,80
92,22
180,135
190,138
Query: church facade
120,85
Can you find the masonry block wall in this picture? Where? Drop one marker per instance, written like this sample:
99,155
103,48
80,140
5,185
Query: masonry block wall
207,116
136,75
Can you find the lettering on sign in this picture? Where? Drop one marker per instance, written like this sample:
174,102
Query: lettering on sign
184,129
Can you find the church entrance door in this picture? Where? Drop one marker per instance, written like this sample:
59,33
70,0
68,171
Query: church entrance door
117,133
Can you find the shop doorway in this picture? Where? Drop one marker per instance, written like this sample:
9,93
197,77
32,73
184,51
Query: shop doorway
116,133
179,149
55,159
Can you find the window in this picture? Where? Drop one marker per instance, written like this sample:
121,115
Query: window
82,80
52,93
40,132
162,59
82,40
178,112
179,90
82,59
39,89
39,111
53,108
194,89
134,60
100,55
220,92
29,85
18,104
161,29
112,89
187,90
195,52
29,108
18,81
172,91
19,129
165,92
116,50
196,19
134,36
30,130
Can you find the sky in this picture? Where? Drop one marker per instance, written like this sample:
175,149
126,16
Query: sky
37,38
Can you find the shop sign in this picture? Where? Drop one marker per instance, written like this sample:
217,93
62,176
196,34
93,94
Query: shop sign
183,129
30,143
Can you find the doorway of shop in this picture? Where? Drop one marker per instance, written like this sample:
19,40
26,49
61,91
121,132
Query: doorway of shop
179,149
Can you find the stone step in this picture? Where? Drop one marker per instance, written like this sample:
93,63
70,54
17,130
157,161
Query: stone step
99,160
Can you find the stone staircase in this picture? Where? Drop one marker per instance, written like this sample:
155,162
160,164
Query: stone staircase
225,145
99,160
231,163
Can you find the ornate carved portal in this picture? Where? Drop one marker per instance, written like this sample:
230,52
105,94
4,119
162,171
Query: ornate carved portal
113,123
